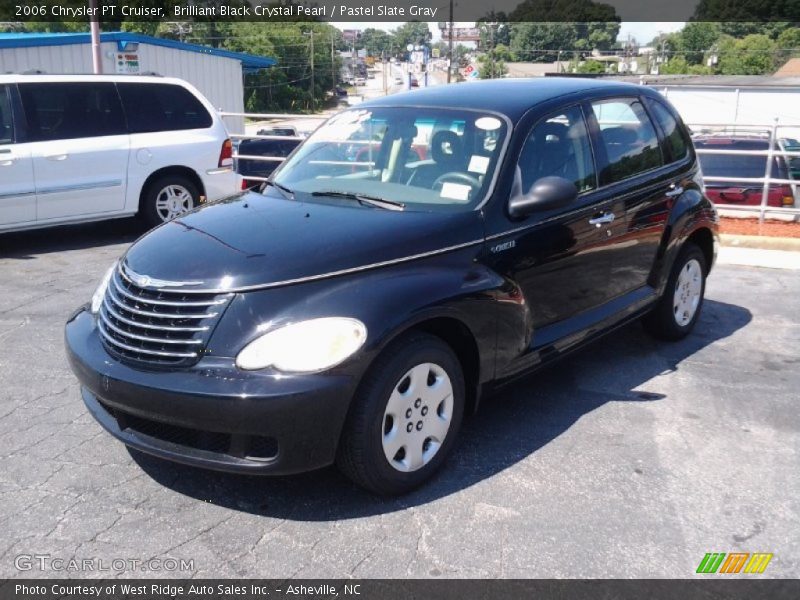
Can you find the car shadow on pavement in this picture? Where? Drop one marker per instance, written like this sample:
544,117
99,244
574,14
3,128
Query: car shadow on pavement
25,245
509,427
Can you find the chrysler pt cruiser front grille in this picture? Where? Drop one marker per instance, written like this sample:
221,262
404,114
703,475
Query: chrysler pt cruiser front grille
156,326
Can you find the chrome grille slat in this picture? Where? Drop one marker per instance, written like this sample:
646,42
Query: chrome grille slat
156,326
113,341
144,338
145,300
145,313
119,317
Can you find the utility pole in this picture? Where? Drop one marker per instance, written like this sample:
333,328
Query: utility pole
384,64
491,45
450,44
94,27
333,68
313,103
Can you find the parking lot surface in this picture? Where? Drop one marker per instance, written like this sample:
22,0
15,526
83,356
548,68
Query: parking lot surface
631,458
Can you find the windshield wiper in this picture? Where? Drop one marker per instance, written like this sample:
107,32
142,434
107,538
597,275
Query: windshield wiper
285,192
363,199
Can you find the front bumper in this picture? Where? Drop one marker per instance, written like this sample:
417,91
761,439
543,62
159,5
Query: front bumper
211,415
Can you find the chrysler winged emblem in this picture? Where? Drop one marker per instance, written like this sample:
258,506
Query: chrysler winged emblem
151,282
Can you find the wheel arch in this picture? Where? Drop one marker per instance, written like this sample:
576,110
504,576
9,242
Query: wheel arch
172,170
703,239
461,340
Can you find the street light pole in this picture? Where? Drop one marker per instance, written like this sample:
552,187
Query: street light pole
94,27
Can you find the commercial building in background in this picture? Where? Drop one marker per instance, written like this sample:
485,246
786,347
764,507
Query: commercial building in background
217,73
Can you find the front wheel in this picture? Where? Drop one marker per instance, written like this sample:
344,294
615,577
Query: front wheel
677,312
405,416
167,198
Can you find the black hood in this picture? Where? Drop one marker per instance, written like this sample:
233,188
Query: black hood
256,240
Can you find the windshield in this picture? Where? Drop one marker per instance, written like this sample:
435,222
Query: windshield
425,158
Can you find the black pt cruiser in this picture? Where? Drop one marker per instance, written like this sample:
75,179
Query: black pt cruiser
412,254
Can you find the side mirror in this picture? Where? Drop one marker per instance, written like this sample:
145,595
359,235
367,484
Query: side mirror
546,193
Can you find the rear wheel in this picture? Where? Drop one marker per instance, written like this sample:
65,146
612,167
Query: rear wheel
167,198
677,312
405,416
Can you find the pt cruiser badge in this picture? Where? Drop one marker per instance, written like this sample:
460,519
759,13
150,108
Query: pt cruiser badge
412,255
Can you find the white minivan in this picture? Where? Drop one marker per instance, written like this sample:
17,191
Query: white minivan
76,148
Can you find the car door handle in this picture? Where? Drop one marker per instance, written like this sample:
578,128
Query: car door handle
56,156
603,219
675,190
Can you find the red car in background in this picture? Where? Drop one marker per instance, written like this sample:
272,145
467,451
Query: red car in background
728,165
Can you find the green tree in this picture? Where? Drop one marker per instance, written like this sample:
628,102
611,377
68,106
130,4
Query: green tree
590,66
676,65
540,42
697,38
377,41
413,32
788,44
754,55
492,64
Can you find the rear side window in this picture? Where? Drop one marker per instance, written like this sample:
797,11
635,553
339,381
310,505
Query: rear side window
629,138
6,122
162,107
676,141
62,111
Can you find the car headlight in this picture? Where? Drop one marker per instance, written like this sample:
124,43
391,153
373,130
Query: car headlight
100,292
306,346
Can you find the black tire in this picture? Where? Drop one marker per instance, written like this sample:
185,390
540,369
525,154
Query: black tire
148,209
361,455
662,322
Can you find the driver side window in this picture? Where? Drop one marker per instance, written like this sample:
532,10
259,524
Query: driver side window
558,146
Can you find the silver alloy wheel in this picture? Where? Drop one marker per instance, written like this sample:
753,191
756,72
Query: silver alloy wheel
172,201
688,289
417,417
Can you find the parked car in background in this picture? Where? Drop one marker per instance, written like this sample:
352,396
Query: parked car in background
398,80
252,167
285,130
360,81
77,148
354,312
749,167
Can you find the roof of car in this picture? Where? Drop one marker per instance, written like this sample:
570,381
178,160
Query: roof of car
78,78
511,97
249,62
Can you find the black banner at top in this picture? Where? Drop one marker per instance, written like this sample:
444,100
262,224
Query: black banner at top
266,11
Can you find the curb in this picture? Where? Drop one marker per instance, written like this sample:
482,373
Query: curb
762,242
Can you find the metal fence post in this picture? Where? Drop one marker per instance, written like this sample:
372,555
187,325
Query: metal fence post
768,171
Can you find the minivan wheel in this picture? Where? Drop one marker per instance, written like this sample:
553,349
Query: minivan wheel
167,198
405,416
679,308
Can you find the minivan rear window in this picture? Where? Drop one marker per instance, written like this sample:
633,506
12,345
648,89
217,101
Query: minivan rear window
62,111
153,107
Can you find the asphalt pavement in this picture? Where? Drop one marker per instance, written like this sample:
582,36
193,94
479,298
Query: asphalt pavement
632,458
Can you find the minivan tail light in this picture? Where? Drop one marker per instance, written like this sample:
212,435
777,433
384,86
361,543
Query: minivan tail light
226,154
